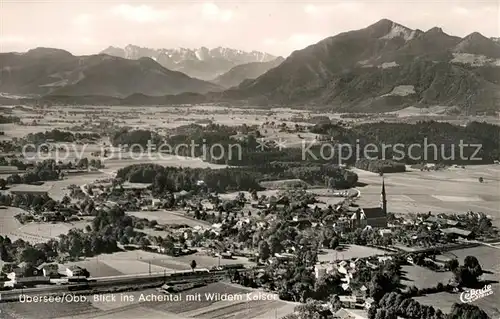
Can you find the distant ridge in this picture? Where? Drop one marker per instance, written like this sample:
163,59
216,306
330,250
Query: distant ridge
202,63
383,67
54,71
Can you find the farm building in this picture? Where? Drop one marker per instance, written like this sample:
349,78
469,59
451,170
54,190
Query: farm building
26,275
351,314
27,281
135,186
4,169
22,270
52,217
351,301
226,255
49,270
385,232
441,221
321,270
23,189
458,232
76,271
285,256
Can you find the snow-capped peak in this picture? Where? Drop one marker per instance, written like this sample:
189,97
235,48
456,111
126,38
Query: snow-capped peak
398,30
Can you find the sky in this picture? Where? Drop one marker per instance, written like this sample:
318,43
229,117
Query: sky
276,27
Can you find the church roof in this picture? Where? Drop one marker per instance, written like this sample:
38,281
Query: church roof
375,212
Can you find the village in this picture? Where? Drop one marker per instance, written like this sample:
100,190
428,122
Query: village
323,238
264,231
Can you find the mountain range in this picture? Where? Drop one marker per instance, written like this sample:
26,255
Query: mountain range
45,71
202,63
383,67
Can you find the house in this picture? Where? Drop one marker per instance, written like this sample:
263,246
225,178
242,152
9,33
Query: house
384,259
385,232
156,203
441,221
368,303
351,314
458,232
52,217
363,291
351,301
240,137
23,189
135,186
321,270
226,255
285,256
49,270
76,271
341,225
200,183
23,270
6,169
21,282
323,137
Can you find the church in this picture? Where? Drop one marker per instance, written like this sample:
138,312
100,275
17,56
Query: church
374,217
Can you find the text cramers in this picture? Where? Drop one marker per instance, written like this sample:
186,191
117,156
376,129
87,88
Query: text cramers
64,298
475,294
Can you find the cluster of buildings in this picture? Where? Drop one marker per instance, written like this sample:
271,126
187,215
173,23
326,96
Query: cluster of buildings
26,275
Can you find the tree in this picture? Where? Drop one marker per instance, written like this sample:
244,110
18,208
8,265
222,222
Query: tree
452,264
193,264
467,311
275,244
264,250
472,263
124,240
481,179
66,200
3,183
468,274
334,243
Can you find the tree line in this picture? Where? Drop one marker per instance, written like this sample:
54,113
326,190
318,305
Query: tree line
9,119
171,179
447,138
59,136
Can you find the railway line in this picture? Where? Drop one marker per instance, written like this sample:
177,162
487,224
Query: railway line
111,284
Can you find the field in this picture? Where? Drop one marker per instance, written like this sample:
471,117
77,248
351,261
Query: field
141,262
488,258
448,191
422,277
349,252
32,232
164,217
60,188
182,309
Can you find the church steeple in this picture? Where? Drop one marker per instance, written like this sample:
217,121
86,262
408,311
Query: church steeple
383,198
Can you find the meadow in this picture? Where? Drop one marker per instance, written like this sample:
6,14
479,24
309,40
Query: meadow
32,232
453,190
488,258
